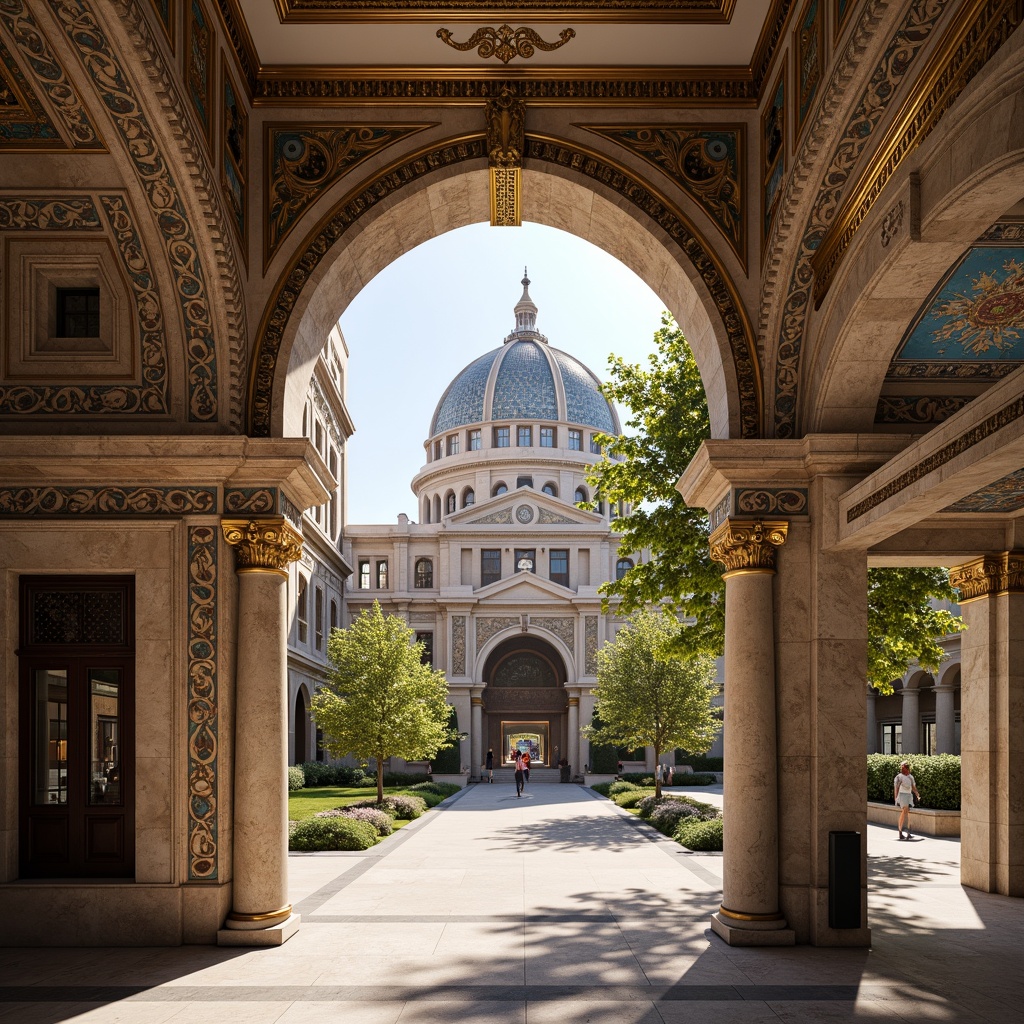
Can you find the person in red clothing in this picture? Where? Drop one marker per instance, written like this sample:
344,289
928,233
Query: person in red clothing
526,766
519,774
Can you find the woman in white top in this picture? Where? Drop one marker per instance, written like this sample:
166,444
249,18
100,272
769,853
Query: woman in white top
904,789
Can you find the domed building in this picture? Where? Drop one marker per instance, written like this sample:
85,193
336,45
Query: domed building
500,576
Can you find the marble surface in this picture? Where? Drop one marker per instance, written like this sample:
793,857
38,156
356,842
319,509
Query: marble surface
555,907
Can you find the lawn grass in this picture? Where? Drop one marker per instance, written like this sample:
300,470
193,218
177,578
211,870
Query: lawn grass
304,803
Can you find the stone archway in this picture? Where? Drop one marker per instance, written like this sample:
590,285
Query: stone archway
445,188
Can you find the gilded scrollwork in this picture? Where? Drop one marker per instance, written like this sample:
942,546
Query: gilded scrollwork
87,36
785,501
748,545
505,42
263,545
202,703
506,124
111,500
989,575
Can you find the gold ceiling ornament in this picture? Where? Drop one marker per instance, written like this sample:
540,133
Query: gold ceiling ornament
506,137
505,42
263,545
748,546
990,575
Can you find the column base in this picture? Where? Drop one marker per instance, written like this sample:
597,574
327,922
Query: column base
275,935
755,933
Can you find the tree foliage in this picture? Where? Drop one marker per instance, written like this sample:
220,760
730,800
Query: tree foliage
667,424
649,695
380,700
903,626
668,421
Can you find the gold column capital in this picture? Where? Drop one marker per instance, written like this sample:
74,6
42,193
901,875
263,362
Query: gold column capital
263,545
748,545
1000,573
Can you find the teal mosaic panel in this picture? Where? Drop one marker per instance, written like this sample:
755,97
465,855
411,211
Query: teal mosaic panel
584,402
463,402
524,387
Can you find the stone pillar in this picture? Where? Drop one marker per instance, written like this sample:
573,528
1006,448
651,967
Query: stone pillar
749,914
476,730
911,720
945,719
572,747
992,726
587,703
261,914
872,721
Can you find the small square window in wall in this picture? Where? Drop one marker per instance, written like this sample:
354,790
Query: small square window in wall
453,444
525,437
78,313
382,574
595,448
502,437
364,574
547,437
575,440
475,442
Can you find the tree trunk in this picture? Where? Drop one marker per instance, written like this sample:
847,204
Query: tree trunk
657,773
380,781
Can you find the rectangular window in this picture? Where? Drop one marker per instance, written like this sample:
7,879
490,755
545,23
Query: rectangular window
453,444
475,444
426,638
334,614
575,440
558,565
892,738
595,448
525,437
302,612
78,313
438,449
490,566
501,437
364,574
382,574
547,437
319,619
526,559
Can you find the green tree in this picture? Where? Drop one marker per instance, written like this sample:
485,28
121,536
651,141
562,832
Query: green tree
649,695
902,624
380,700
668,421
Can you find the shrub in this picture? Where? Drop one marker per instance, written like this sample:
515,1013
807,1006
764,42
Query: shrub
665,817
405,778
448,760
430,799
699,762
380,820
604,788
631,799
604,759
319,773
385,807
696,779
296,778
407,807
442,789
647,804
937,778
699,835
638,778
619,786
339,833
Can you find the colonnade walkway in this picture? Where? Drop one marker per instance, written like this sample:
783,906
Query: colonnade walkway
557,907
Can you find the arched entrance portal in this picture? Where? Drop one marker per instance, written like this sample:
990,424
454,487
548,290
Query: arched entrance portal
303,727
525,702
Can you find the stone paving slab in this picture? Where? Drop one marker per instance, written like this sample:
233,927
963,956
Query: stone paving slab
557,907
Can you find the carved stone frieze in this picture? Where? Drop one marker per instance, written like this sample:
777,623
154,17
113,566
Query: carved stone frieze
590,644
749,545
563,627
537,698
505,42
772,501
459,645
263,545
701,11
202,703
488,625
110,500
254,500
720,512
501,516
545,517
45,213
918,408
992,574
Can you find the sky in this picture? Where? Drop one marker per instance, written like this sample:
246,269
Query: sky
446,302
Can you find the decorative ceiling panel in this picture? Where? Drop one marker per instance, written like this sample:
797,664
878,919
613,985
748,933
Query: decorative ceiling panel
1005,495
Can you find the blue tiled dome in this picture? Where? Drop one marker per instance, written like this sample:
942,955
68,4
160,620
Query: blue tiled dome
517,382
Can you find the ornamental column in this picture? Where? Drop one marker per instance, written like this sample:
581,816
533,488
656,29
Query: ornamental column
911,720
572,737
945,719
476,729
261,914
749,914
992,727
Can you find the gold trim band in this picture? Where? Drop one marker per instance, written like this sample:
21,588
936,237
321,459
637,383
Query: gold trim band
736,916
747,572
274,915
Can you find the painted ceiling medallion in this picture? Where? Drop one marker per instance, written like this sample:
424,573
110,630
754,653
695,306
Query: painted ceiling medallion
990,318
505,42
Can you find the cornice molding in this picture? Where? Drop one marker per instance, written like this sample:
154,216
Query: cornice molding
989,575
748,546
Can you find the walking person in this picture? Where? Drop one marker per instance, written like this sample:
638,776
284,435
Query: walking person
519,774
490,766
904,790
526,767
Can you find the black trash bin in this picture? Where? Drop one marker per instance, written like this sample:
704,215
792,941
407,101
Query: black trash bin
565,773
844,900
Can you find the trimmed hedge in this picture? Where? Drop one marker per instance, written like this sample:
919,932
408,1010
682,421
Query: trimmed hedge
604,788
447,761
937,777
639,778
699,762
319,773
405,778
696,779
699,835
621,786
632,798
317,834
296,779
604,760
442,789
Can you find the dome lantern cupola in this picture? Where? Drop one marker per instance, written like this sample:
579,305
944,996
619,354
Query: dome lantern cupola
526,316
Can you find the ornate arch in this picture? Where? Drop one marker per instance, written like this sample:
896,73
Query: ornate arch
306,265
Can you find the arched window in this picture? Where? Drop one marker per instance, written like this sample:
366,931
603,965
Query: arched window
551,489
319,618
426,510
334,614
580,496
468,497
302,611
499,489
424,574
622,566
437,508
449,503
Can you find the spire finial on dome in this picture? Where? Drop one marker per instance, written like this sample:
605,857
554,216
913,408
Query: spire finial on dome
526,311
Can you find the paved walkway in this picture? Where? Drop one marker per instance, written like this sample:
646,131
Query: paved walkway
554,908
